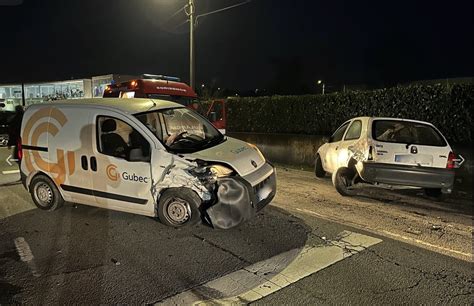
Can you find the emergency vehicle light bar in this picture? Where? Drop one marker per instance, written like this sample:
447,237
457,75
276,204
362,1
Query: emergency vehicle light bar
160,77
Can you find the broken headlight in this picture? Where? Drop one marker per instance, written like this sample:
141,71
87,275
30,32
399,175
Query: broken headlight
220,171
208,175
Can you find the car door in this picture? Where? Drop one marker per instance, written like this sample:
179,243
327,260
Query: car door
121,168
346,147
330,159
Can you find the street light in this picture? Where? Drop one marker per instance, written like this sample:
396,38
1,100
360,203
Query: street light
323,85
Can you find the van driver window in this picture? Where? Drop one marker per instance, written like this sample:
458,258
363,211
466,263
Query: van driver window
118,139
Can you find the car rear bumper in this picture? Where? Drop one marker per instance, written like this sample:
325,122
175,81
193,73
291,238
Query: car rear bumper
238,200
414,176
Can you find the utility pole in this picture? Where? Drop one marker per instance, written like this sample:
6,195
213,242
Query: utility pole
191,14
324,85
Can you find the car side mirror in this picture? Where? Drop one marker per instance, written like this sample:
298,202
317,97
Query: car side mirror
136,155
213,117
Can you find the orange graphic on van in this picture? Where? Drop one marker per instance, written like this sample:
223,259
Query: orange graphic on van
112,173
32,131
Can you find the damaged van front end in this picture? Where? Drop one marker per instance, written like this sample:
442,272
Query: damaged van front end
230,192
238,198
240,180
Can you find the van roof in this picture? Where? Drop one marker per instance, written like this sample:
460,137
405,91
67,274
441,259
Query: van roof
130,106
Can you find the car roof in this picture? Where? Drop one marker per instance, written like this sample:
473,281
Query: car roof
389,118
130,106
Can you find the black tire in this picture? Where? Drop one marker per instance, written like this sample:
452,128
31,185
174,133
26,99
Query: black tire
341,179
318,167
179,207
45,194
434,193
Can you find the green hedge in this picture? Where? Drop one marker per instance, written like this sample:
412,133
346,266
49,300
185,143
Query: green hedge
449,109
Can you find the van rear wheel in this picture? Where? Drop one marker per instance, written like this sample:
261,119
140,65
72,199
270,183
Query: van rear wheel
45,194
179,207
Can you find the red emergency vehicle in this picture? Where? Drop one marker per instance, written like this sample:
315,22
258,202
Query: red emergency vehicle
217,114
154,87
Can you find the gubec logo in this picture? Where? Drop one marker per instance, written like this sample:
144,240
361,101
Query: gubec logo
111,171
114,175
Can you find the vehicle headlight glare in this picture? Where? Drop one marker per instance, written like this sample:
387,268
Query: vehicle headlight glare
220,171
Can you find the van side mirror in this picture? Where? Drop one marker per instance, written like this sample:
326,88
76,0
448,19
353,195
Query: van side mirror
213,117
2,105
326,139
136,155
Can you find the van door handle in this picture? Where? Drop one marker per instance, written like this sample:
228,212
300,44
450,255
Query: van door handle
84,163
93,163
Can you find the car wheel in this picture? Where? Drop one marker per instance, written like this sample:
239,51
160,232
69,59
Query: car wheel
342,181
318,167
179,207
435,193
45,194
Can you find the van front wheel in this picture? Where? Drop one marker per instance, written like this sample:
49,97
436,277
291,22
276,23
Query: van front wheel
45,194
179,207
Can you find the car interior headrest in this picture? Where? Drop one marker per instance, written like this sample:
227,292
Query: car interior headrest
109,125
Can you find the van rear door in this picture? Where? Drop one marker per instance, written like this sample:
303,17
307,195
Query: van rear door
55,141
407,142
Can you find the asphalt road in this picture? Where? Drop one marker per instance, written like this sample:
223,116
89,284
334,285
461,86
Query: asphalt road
87,255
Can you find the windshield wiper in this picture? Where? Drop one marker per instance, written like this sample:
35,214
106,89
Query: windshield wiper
213,139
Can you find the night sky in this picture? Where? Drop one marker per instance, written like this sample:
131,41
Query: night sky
263,44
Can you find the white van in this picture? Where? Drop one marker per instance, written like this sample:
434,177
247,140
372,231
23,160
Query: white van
148,157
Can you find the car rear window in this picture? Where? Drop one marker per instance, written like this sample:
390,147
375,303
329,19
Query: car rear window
406,132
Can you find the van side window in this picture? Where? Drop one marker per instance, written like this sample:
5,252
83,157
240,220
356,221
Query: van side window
118,139
337,136
354,130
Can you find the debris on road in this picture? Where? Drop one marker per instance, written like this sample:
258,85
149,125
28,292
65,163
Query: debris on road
115,261
413,231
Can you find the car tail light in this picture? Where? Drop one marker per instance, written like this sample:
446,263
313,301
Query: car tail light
20,149
451,161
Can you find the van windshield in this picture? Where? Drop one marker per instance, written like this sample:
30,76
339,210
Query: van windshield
181,130
408,132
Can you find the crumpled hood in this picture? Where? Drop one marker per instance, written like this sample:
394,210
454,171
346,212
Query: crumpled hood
238,154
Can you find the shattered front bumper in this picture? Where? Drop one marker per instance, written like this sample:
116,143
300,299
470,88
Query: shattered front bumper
240,198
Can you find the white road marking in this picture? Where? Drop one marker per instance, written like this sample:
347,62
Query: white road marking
427,244
9,160
268,276
394,235
11,172
23,249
